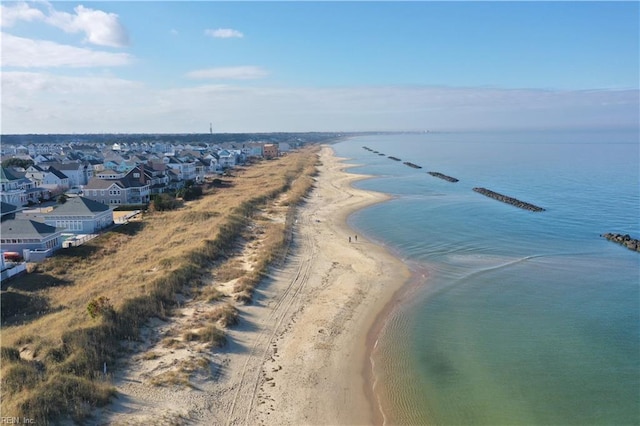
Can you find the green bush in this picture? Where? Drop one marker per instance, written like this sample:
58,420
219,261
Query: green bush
164,202
100,306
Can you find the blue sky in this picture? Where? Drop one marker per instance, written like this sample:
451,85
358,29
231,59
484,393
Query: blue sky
318,66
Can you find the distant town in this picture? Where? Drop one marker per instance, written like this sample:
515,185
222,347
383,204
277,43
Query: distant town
59,190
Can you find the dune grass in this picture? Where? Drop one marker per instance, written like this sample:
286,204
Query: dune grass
140,268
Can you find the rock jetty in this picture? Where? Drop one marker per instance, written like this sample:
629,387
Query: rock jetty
508,200
443,176
415,166
394,158
625,240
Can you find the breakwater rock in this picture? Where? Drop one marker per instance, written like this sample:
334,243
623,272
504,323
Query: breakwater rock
443,176
415,166
394,158
508,200
625,240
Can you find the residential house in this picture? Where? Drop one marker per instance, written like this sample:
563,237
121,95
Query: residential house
175,183
253,149
8,211
51,179
132,188
156,176
78,173
80,215
214,162
270,150
227,158
186,169
284,147
204,168
16,189
39,158
32,239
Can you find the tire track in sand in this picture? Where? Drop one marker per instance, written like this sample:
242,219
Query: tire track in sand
251,376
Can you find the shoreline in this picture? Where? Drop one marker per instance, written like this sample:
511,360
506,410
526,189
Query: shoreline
399,298
301,351
332,361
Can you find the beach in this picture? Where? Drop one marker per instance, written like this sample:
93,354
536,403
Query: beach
300,353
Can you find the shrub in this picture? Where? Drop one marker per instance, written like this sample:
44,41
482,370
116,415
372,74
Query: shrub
66,393
20,376
9,354
163,202
210,294
100,306
209,334
213,335
225,315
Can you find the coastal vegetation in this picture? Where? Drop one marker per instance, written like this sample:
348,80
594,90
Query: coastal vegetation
92,298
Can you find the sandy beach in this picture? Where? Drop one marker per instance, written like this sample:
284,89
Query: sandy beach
300,352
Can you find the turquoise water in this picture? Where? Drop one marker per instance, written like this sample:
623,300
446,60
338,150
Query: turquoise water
514,317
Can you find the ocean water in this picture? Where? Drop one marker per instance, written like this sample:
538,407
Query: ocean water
513,317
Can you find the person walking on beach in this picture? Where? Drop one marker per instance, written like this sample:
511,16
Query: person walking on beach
349,239
356,238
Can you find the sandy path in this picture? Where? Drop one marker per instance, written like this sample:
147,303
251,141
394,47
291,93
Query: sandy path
299,354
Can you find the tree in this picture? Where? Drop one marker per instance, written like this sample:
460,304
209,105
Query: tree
62,199
17,162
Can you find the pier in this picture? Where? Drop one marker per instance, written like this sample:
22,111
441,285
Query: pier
443,176
625,240
509,200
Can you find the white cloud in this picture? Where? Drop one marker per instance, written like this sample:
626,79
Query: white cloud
223,33
9,15
34,84
24,52
46,103
100,28
229,73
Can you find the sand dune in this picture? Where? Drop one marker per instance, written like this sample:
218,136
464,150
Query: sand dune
299,354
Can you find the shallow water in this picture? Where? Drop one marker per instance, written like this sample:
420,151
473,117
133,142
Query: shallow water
525,318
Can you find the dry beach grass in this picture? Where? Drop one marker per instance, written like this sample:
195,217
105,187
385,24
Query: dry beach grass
297,354
145,269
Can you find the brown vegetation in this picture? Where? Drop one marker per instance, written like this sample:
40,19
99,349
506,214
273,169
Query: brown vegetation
53,357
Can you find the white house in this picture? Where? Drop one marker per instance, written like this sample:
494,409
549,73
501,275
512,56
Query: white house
80,215
185,169
34,240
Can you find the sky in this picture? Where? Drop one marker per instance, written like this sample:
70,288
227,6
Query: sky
297,66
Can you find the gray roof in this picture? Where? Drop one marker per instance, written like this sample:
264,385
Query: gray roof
66,166
26,228
97,183
79,206
57,173
8,174
7,208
